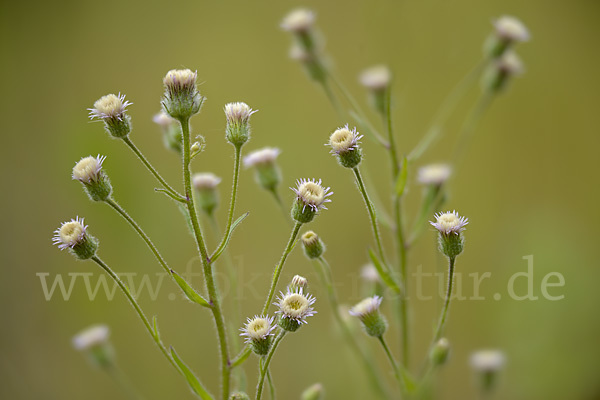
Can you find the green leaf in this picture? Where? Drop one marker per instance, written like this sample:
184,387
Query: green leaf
408,380
226,240
384,273
402,178
189,291
155,329
193,381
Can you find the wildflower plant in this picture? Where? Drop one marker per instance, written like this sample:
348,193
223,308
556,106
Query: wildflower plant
386,273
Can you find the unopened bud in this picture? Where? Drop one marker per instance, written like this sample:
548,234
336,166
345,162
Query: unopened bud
238,116
298,282
267,174
439,352
314,392
500,72
313,245
181,98
206,185
171,131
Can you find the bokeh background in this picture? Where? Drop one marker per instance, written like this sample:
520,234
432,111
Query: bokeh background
528,184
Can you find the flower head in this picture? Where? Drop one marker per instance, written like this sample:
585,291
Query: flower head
510,64
449,223
369,273
488,360
258,328
90,337
434,174
511,29
298,21
88,169
294,308
70,234
312,194
368,313
178,81
267,155
182,98
110,106
376,78
238,113
344,140
205,180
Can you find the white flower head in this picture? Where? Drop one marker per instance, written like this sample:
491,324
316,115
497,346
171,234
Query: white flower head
299,53
434,174
110,107
511,29
264,156
163,120
369,273
180,80
298,21
449,223
376,78
312,194
238,113
295,305
258,328
88,169
205,180
70,234
366,307
90,337
344,140
488,360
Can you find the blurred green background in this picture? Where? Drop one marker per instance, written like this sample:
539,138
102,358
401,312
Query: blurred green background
528,184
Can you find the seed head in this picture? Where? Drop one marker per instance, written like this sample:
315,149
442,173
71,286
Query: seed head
298,21
294,308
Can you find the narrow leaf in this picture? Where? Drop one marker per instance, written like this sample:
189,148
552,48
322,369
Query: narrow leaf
155,329
228,237
383,273
401,181
189,291
193,381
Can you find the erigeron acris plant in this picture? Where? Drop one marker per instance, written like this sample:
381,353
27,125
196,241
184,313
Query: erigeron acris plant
387,274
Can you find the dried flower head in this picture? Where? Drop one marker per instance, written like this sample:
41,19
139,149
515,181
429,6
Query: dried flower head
511,29
93,336
488,360
258,328
368,313
312,194
298,21
376,78
294,308
205,180
369,273
110,106
434,174
88,169
267,155
70,234
448,223
73,235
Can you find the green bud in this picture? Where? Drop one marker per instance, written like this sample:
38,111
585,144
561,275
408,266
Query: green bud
301,213
298,282
238,116
313,245
439,353
182,99
314,392
111,110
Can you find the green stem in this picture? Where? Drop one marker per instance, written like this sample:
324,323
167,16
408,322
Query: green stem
332,99
279,266
266,363
395,366
241,357
213,296
153,170
236,176
442,321
373,375
137,308
391,140
468,127
121,379
446,108
372,214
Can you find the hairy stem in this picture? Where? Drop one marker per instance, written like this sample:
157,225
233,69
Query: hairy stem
265,367
442,321
395,366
